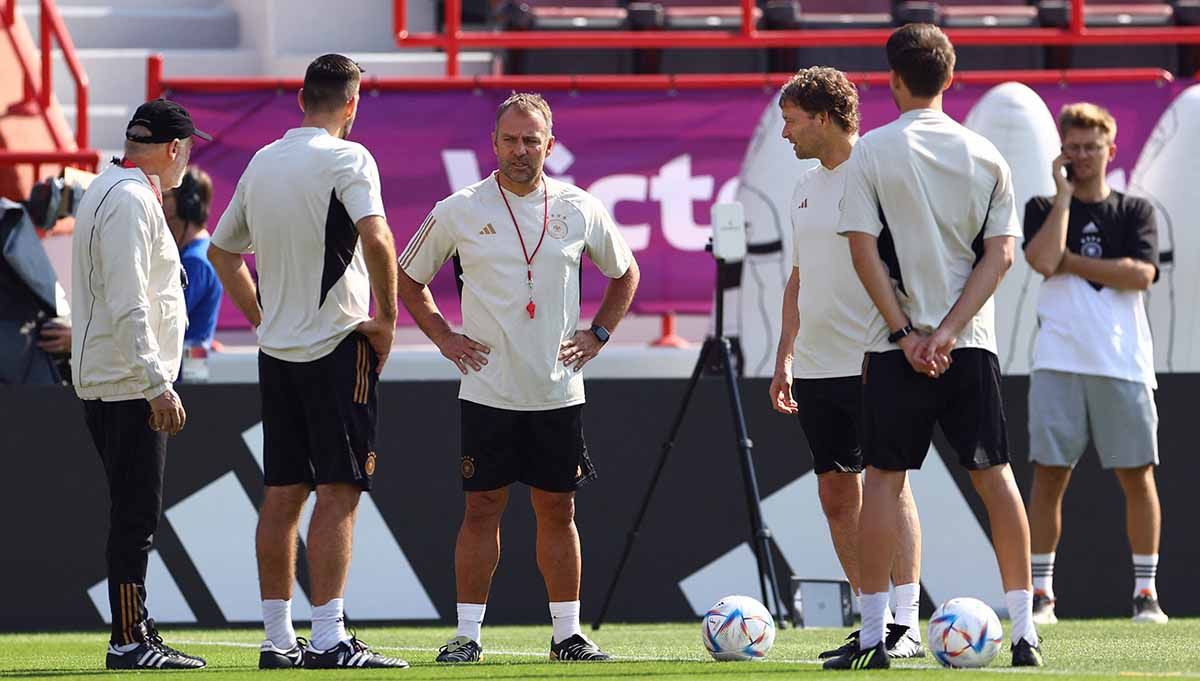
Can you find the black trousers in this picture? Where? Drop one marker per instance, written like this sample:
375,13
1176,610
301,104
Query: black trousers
134,457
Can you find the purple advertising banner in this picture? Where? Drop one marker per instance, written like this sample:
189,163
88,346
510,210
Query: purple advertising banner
658,160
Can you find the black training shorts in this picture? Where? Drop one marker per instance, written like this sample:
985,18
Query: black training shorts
543,449
900,408
829,414
319,417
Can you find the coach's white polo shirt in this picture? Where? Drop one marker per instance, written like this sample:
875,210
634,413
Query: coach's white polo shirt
834,307
932,191
523,371
295,208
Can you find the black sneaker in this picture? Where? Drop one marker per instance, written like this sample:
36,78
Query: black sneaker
901,644
577,649
271,657
1025,654
871,658
460,649
150,653
1147,611
1043,609
848,647
351,653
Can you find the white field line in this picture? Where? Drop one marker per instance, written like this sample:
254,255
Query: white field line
648,658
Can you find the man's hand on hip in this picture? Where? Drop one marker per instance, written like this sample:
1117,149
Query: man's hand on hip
464,352
380,335
167,414
579,349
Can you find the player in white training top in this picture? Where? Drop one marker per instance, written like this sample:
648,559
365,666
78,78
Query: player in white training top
520,238
825,315
930,216
309,207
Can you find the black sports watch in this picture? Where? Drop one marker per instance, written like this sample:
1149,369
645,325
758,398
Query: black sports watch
897,335
601,333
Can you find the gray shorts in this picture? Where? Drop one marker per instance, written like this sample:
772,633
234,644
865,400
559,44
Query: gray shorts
1065,408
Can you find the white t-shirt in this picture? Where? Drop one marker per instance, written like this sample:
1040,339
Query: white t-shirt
1084,327
523,372
931,191
295,208
834,306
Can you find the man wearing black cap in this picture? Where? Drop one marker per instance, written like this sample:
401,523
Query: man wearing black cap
129,313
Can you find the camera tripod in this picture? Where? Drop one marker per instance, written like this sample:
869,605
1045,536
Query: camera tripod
718,350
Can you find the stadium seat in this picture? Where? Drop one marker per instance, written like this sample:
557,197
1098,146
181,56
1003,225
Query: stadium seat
991,14
1101,13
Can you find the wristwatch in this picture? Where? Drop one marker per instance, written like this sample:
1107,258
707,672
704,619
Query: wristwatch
601,333
897,335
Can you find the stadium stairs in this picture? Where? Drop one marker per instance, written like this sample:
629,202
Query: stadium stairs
230,38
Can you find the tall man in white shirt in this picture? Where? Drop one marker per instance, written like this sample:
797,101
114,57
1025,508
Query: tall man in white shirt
128,317
1093,365
521,237
825,322
929,214
310,209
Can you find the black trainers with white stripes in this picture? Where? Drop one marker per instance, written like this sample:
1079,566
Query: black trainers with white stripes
871,658
272,657
150,653
576,649
899,641
460,649
349,654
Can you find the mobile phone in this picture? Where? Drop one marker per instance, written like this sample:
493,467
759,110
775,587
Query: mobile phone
1070,172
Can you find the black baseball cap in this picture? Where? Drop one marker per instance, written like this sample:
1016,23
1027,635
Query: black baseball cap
165,120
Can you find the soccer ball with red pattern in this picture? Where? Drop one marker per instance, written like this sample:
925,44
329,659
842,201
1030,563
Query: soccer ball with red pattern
964,633
738,628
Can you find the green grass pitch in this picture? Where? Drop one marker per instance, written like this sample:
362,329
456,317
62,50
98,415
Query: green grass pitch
1089,649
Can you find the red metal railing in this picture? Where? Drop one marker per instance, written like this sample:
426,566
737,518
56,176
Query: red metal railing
157,85
38,96
453,39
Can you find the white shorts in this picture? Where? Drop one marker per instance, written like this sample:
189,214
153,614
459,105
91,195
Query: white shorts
1065,409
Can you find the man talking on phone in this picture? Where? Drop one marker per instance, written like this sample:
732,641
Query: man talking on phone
1093,364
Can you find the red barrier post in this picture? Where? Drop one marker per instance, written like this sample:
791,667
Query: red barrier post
748,27
453,36
154,76
1077,17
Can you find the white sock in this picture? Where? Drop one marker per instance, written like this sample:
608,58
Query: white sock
1145,568
1043,573
873,608
328,625
277,620
125,648
908,603
565,617
470,620
887,616
1020,612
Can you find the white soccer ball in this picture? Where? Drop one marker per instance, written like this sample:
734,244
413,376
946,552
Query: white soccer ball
738,628
964,633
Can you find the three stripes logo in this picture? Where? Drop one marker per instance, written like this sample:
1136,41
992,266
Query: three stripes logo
487,230
862,661
804,203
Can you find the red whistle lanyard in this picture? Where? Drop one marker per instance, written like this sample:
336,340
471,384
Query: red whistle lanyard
531,308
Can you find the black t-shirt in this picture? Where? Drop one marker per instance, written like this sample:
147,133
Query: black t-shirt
1120,226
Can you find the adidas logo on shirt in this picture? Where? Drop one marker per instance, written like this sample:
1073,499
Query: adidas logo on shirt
488,230
1091,228
804,203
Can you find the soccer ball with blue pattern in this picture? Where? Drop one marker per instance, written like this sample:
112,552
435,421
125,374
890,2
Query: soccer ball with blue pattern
738,628
964,633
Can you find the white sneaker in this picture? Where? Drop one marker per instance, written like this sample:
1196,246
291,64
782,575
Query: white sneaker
1147,611
1043,609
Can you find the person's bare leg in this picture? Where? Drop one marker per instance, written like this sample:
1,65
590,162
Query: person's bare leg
841,500
477,551
558,553
1143,516
1045,506
275,539
906,564
877,538
330,544
1010,540
275,547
